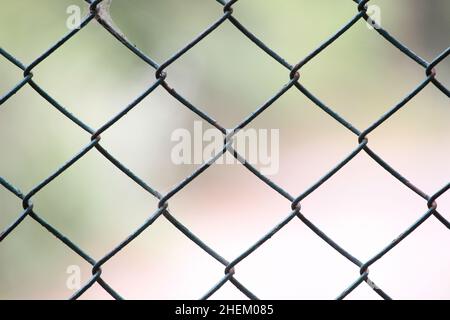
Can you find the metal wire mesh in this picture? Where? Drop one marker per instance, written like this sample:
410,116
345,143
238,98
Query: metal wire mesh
163,212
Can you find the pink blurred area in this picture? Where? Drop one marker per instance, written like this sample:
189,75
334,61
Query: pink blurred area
363,208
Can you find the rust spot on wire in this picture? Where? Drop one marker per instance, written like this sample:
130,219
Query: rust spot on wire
100,11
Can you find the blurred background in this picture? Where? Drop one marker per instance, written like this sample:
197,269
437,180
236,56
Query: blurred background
363,208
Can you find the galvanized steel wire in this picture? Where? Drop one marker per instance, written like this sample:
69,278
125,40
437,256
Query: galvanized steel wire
293,82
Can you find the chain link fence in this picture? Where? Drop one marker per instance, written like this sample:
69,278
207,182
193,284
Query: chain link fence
99,12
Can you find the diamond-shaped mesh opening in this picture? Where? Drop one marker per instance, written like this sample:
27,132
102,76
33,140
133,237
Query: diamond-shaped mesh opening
46,150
